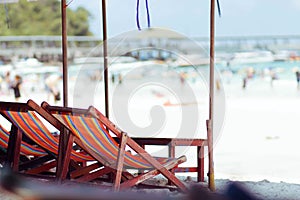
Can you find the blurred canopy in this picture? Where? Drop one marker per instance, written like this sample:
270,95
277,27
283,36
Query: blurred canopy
41,18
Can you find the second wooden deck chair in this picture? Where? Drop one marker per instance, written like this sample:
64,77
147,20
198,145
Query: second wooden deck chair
113,156
25,120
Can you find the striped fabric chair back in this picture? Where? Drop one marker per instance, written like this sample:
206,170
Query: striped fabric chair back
94,135
33,127
26,149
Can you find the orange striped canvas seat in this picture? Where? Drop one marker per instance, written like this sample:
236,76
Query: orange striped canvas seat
94,136
34,129
26,149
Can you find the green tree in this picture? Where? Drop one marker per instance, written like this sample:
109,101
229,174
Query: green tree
41,17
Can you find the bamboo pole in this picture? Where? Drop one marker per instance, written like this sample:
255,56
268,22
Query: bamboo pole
210,122
104,28
64,51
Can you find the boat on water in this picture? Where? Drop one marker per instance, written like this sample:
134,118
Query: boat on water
251,57
29,66
190,60
27,62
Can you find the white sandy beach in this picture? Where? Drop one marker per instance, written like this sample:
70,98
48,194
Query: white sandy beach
258,143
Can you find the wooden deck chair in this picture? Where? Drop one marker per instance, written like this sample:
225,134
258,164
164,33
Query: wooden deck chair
101,145
25,120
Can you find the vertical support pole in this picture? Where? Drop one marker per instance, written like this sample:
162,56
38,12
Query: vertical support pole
64,51
210,122
104,27
200,163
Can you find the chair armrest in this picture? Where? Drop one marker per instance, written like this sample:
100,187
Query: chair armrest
168,141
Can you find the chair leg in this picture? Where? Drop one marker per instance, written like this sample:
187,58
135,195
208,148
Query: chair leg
156,164
13,149
64,154
120,161
171,155
200,164
140,178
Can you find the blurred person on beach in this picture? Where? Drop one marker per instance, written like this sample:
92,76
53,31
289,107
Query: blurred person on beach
298,79
120,78
218,84
182,77
8,82
52,87
113,78
273,76
227,75
245,80
15,85
1,80
250,72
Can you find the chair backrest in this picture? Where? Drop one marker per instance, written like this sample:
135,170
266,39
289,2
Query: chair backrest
26,149
25,118
91,131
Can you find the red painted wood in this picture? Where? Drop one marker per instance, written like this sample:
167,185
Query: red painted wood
84,170
42,168
120,161
95,175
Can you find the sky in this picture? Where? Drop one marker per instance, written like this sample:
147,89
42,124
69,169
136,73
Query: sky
191,17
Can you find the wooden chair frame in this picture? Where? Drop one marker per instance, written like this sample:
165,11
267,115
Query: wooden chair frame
16,135
135,144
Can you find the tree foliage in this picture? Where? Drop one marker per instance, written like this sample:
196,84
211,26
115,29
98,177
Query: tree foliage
41,17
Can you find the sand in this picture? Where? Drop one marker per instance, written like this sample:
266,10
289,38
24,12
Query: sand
259,142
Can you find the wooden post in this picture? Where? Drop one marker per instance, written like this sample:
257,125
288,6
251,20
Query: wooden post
104,27
210,122
64,50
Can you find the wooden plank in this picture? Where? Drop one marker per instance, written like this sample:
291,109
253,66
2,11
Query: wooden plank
120,162
185,169
171,155
64,154
140,178
12,106
35,162
211,174
94,175
66,110
42,168
156,164
167,141
16,155
41,111
84,170
200,164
